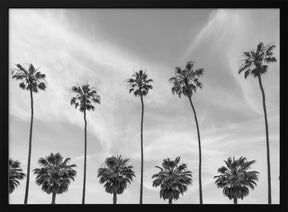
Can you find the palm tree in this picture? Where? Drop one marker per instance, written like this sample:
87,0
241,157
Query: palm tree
15,174
185,82
255,63
84,99
173,179
115,175
140,84
55,174
235,179
32,80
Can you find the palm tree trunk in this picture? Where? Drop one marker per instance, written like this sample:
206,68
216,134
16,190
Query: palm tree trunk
267,140
235,201
170,201
200,155
85,155
30,150
142,157
53,198
114,198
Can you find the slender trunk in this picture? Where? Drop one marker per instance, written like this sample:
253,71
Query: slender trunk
30,150
114,198
85,154
200,155
170,201
142,157
115,192
53,198
235,201
267,140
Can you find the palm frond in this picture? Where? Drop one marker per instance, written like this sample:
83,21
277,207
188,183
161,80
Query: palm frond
55,174
173,178
84,97
30,79
139,83
234,179
115,174
255,61
186,81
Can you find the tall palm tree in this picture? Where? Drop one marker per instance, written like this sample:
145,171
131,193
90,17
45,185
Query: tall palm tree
140,85
32,80
255,63
84,98
115,175
173,179
235,179
185,82
55,174
15,173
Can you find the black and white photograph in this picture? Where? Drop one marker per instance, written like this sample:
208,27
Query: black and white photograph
144,106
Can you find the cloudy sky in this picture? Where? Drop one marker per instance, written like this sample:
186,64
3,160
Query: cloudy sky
104,47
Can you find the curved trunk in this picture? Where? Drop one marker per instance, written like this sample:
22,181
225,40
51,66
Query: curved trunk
200,154
85,154
53,198
235,201
170,201
142,157
30,150
267,140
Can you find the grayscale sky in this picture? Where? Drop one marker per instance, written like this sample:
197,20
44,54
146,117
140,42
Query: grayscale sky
103,47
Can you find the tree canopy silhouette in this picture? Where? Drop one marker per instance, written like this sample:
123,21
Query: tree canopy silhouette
115,175
173,179
236,179
55,174
15,173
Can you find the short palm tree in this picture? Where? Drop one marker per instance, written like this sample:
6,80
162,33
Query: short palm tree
185,82
173,179
235,179
115,175
55,174
255,63
15,174
84,98
32,80
140,85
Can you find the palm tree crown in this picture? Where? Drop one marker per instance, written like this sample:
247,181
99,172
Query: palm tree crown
55,174
139,84
85,97
15,174
186,80
255,61
235,179
115,174
31,78
173,179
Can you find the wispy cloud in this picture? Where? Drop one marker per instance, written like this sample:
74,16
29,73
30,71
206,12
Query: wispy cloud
229,108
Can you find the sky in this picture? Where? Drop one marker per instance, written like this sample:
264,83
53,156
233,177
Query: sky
103,47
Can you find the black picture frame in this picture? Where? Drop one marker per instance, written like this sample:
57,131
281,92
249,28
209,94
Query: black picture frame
4,36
